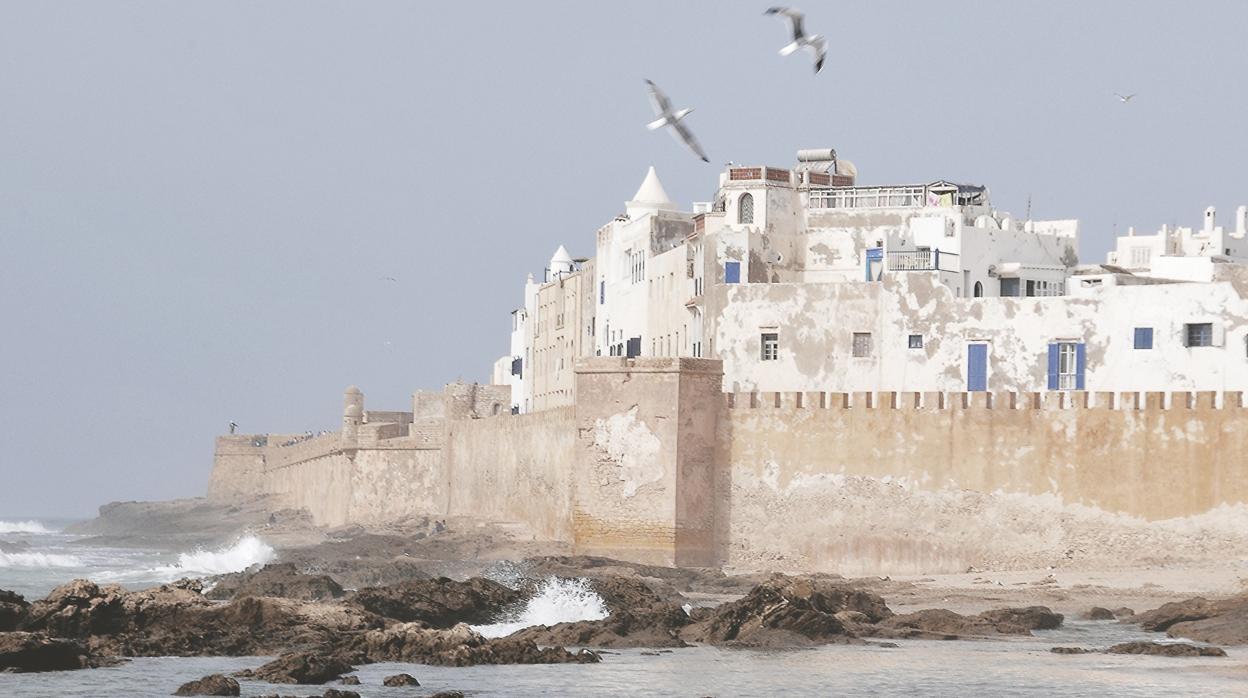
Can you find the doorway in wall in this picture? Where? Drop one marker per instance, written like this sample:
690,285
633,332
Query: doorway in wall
976,367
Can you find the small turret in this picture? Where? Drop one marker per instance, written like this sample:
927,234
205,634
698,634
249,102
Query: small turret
1241,221
561,264
1211,215
352,416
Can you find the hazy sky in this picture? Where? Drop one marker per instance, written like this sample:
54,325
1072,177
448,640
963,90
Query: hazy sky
199,200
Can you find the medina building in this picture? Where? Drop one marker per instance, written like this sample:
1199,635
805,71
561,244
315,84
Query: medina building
800,279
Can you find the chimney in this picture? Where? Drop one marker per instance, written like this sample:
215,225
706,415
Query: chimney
1210,214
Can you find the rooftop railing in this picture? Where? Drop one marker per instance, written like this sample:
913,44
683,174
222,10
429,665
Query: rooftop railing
922,260
939,193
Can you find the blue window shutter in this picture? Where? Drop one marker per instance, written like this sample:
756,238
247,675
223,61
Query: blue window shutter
1053,351
1143,338
1081,362
732,272
602,291
977,367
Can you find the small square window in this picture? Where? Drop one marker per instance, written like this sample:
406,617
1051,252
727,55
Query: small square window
1199,334
862,344
916,341
771,346
732,272
1143,338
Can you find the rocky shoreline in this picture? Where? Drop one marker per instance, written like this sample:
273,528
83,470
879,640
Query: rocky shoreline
320,632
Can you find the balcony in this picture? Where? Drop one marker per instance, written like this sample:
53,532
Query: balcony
922,260
940,193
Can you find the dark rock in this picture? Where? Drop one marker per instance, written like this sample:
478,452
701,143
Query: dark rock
1123,612
440,603
1031,618
1071,650
1098,613
302,667
22,652
214,685
941,624
458,646
1229,628
790,611
350,681
400,680
339,693
280,580
447,694
12,610
1160,619
1166,649
653,626
80,608
626,593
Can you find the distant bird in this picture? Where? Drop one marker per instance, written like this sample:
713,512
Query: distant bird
1125,98
663,108
817,45
388,278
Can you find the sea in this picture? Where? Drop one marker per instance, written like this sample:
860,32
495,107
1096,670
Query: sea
41,556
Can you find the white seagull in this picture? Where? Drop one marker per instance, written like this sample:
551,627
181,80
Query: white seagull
663,108
817,44
1125,98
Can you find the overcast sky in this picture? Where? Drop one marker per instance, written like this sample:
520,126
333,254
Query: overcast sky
199,200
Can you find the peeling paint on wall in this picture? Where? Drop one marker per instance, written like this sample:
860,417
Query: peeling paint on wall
630,444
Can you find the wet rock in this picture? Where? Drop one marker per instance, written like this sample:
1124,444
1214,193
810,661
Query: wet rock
81,608
1229,628
790,611
400,680
1098,613
301,667
1162,649
350,681
653,626
941,624
447,694
12,610
627,593
1072,650
29,652
1030,618
281,580
458,646
339,693
214,685
1160,619
1123,612
440,603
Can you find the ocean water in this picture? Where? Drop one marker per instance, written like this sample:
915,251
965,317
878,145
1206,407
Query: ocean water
1013,667
36,556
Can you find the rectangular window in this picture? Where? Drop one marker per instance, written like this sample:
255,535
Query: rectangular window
732,272
602,292
1009,288
1143,338
1199,334
1067,362
1031,288
771,346
916,341
1140,256
862,344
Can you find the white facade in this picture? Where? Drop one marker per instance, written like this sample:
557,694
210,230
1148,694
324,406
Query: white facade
799,280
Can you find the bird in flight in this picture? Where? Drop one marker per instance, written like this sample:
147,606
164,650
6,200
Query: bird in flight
817,45
388,278
675,120
1125,98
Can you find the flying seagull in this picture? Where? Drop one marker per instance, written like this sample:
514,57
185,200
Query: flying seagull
1125,98
817,44
663,108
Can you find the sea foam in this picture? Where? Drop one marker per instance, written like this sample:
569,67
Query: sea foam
38,560
23,527
245,552
557,600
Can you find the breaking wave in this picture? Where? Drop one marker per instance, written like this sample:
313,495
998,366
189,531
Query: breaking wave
245,552
23,527
557,600
38,560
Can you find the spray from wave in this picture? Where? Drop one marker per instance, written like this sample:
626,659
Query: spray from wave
236,557
38,560
23,527
557,600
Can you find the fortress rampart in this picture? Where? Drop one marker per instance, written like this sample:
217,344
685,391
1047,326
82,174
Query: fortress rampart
654,463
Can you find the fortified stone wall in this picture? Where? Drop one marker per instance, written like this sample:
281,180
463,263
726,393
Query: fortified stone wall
655,464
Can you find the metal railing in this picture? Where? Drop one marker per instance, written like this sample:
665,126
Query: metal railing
922,260
870,197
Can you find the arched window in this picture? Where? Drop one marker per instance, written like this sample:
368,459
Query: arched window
745,208
979,290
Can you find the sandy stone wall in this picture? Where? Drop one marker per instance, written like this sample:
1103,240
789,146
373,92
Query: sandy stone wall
872,483
512,468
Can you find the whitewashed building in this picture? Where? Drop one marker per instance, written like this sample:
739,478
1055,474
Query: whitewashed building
802,280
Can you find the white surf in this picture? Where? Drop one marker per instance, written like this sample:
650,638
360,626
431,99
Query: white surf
557,600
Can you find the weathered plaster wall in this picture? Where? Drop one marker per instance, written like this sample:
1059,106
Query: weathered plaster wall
884,486
237,470
513,468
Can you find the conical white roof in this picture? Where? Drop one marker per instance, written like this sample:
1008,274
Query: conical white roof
650,196
561,257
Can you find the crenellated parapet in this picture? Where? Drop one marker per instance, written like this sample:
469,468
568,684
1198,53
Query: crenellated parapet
1003,400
